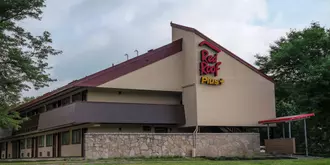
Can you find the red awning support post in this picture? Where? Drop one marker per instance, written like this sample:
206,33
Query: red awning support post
289,129
306,144
283,129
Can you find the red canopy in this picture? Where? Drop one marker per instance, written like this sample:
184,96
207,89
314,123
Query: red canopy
286,118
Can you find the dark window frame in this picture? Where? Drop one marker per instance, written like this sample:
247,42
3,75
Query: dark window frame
63,140
41,139
22,143
65,101
49,141
146,129
76,136
77,97
29,143
161,130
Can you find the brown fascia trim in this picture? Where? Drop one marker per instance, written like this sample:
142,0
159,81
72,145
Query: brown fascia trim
223,49
116,71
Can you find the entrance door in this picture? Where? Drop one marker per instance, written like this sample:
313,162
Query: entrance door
15,149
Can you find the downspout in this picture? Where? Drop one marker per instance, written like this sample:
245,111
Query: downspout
193,154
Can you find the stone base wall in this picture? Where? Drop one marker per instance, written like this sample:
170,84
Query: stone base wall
107,145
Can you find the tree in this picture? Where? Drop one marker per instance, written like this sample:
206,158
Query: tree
300,65
23,57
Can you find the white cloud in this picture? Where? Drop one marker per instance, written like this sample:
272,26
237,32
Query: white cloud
108,29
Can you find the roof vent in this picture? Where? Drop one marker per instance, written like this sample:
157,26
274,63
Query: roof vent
150,50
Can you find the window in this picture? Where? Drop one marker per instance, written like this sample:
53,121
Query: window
49,107
40,153
76,136
65,139
65,101
77,97
41,109
22,144
160,130
84,96
49,140
28,154
146,128
22,155
59,103
41,141
29,143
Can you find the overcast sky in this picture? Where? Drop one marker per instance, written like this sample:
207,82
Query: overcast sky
93,34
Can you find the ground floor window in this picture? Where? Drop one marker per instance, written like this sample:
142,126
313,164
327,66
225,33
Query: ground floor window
49,140
29,143
65,140
76,136
146,129
41,142
161,130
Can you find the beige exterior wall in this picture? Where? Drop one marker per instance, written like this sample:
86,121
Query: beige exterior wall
9,153
190,107
71,150
163,75
26,152
109,95
189,77
245,97
44,151
3,154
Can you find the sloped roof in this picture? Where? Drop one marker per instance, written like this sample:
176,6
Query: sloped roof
116,71
223,49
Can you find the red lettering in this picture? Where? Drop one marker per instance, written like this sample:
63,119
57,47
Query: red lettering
207,59
205,68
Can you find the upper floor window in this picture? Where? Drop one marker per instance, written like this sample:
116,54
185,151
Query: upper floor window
65,101
50,106
81,96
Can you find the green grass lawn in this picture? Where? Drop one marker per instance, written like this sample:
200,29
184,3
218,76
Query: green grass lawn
181,162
